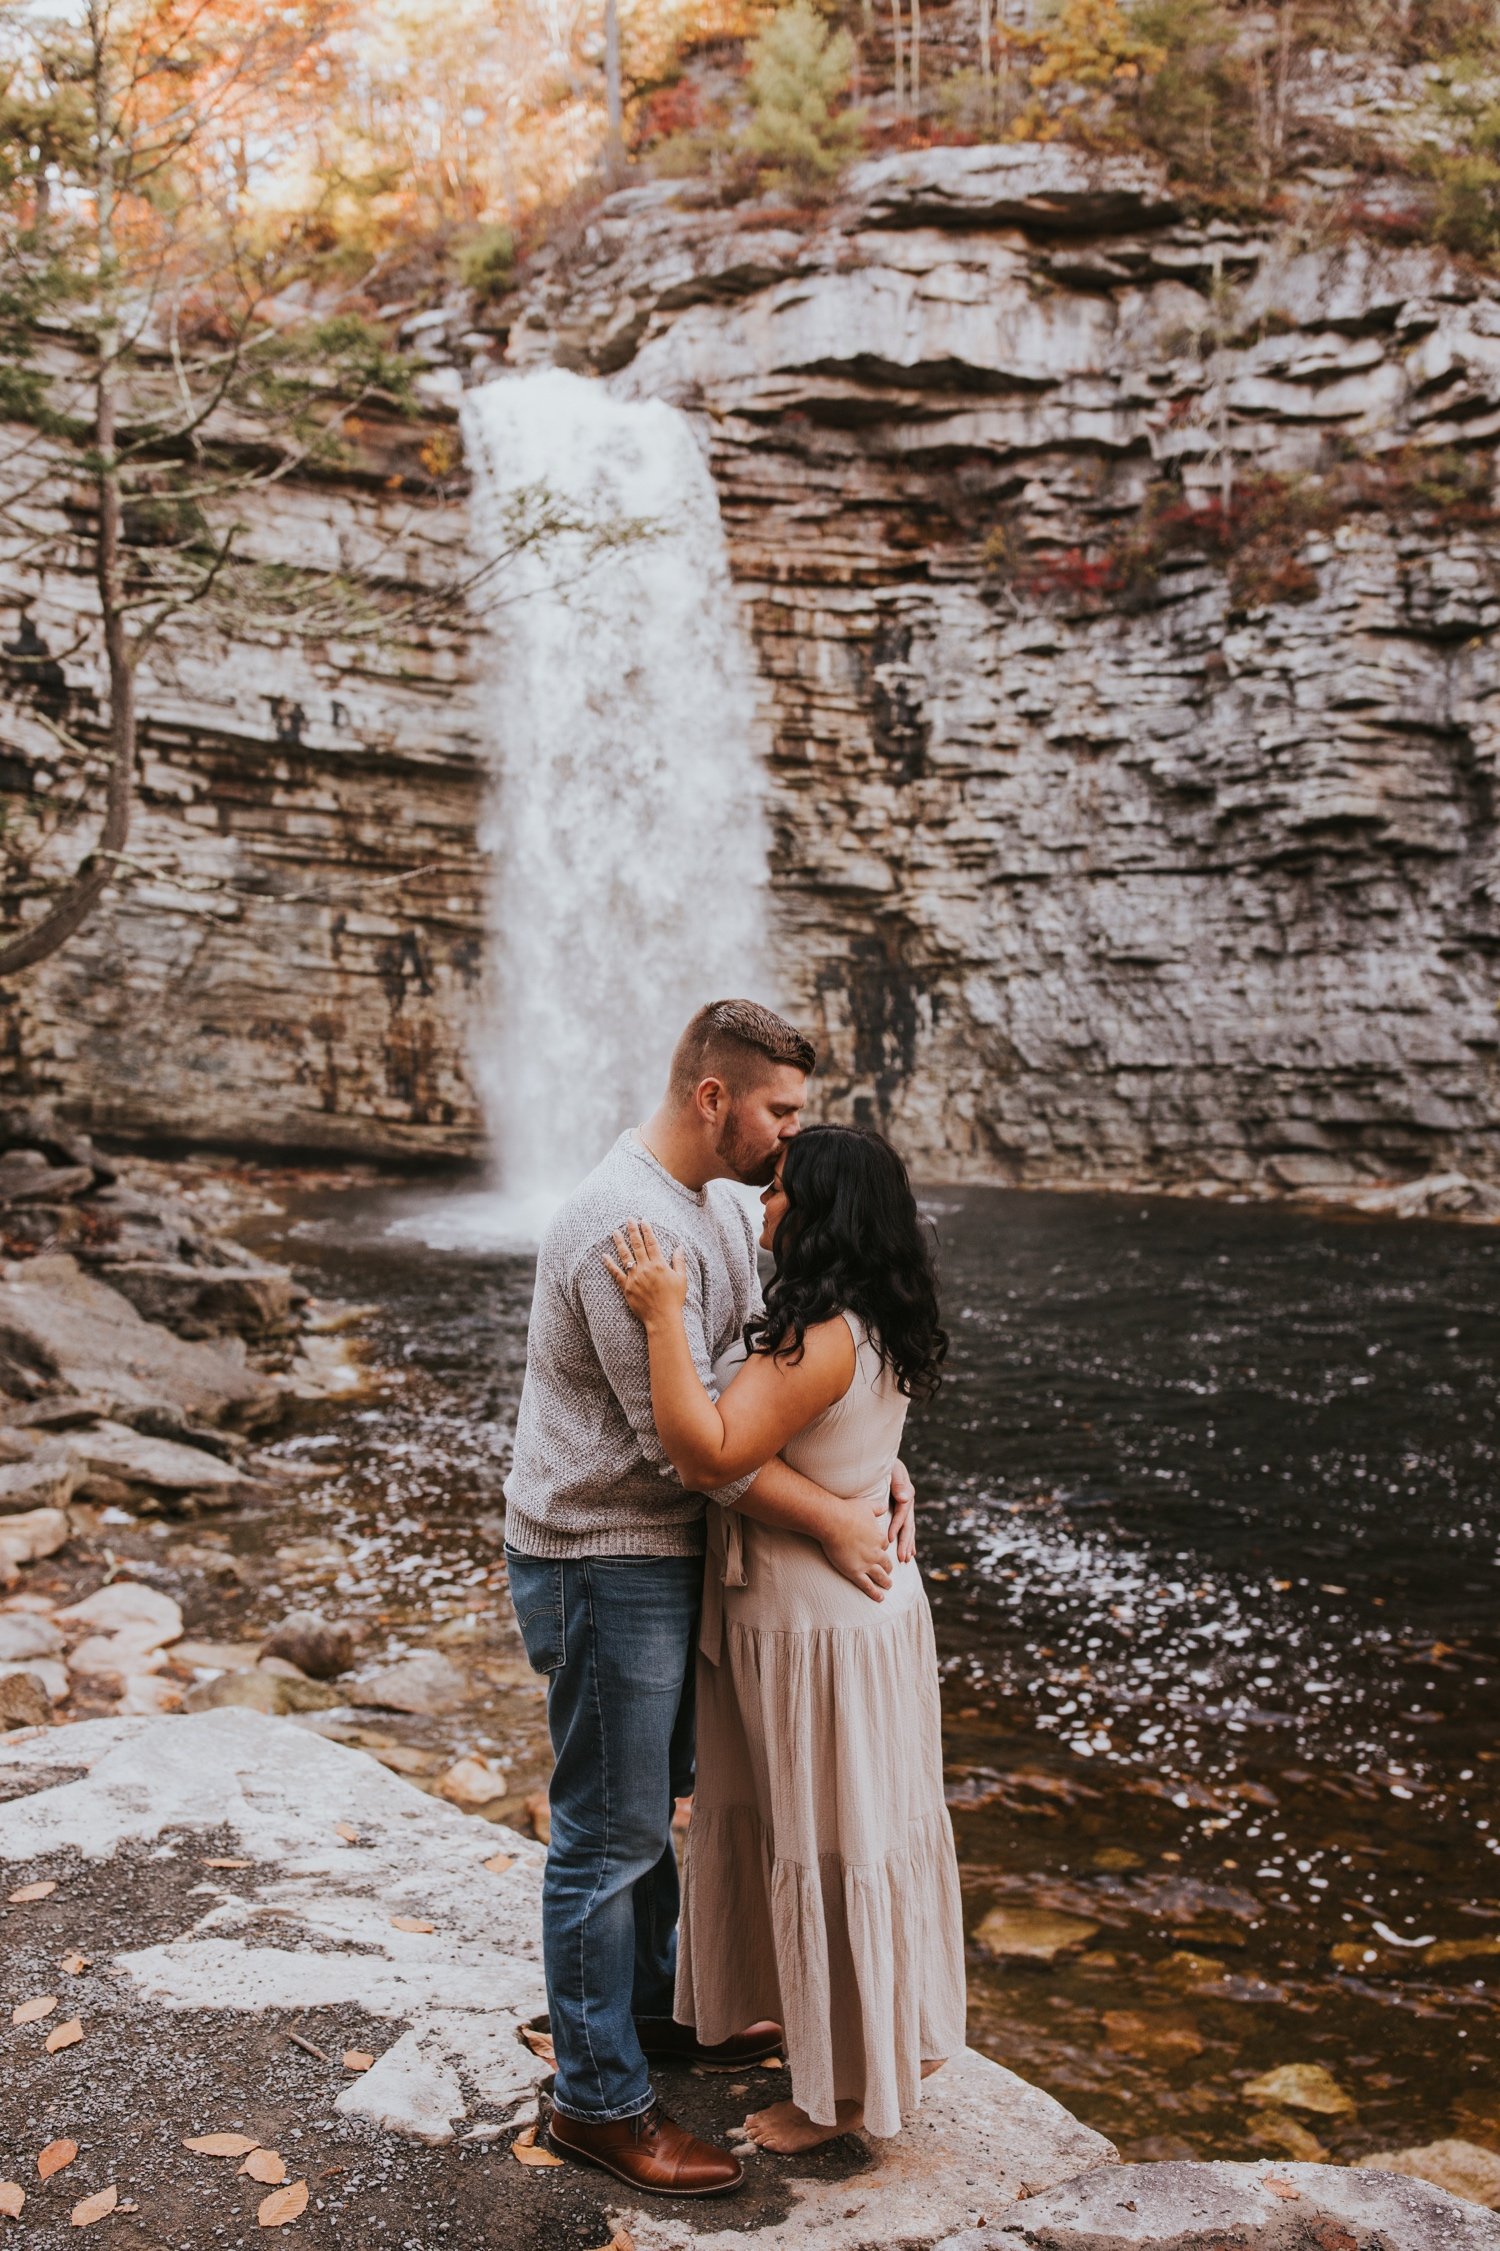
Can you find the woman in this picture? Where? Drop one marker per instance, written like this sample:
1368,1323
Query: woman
820,1884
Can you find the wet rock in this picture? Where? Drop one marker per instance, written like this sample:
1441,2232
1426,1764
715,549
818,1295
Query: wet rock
52,1675
315,1646
1158,2037
1476,1947
472,1782
424,1683
1259,2207
1031,1934
1275,2129
48,1480
1462,2168
207,1301
24,1636
41,1532
62,1328
24,1702
1300,2086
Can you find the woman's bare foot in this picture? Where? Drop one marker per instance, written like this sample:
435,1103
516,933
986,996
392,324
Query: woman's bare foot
784,2128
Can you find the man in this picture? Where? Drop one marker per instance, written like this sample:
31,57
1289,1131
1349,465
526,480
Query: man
605,1552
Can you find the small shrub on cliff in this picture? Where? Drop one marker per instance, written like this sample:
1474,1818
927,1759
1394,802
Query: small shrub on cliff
487,262
799,72
1464,165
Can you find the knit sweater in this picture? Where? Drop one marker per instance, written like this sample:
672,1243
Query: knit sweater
590,1476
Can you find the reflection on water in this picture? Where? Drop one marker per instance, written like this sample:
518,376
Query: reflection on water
1211,1525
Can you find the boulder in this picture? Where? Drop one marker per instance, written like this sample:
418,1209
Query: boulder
61,1328
1462,2168
1257,2207
207,1301
425,1683
1299,2086
113,1451
125,1606
27,1178
114,1659
47,1480
47,1670
472,1782
315,1646
23,1636
26,1539
23,1701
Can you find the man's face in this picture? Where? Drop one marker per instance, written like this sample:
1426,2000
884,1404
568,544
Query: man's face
758,1123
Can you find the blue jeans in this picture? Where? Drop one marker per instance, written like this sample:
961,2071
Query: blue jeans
615,1637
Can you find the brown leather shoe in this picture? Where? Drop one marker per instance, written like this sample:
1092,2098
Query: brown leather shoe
663,2040
651,2152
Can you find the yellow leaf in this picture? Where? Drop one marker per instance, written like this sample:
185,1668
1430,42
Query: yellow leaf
540,2044
498,1862
1282,2188
265,2166
74,1964
222,2145
282,2205
96,2207
347,1831
229,1863
525,2151
770,2063
411,1923
54,2157
12,2199
357,2059
32,2012
29,1892
65,2036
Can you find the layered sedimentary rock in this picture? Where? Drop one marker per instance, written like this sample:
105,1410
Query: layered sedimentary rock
1095,859
293,954
1079,881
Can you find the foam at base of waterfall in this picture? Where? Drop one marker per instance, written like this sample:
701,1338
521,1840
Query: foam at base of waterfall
485,1219
626,830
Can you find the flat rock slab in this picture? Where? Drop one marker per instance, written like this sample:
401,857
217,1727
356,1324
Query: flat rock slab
1261,2207
203,1867
78,1334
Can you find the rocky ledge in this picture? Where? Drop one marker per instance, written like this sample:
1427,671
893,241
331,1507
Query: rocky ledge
238,1950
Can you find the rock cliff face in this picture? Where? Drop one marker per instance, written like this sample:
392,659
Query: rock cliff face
1081,883
1092,862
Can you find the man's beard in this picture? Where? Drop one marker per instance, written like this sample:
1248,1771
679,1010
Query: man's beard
748,1163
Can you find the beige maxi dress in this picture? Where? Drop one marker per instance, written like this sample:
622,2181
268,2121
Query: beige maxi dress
820,1885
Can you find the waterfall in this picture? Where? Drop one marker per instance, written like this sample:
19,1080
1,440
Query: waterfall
626,829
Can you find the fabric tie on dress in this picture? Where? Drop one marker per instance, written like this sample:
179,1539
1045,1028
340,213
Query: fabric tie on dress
724,1566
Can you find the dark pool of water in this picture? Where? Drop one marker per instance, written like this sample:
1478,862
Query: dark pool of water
1212,1503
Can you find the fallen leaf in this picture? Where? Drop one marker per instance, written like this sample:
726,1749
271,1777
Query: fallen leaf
54,2157
74,1964
96,2207
265,2166
411,1923
32,2012
347,1831
498,1862
770,2063
222,2145
357,2059
621,2240
29,1892
1282,2188
66,2036
12,2198
525,2151
229,1864
282,2205
540,2044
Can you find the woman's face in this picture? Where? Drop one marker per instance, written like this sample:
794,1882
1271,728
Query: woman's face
773,1204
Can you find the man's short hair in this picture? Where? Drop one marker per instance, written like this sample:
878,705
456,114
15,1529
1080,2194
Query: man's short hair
733,1040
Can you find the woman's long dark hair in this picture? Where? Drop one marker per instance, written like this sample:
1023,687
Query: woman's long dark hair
851,1241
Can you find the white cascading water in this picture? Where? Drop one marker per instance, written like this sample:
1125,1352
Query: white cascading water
626,828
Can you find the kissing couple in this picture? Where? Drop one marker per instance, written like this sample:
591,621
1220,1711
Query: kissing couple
706,1512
